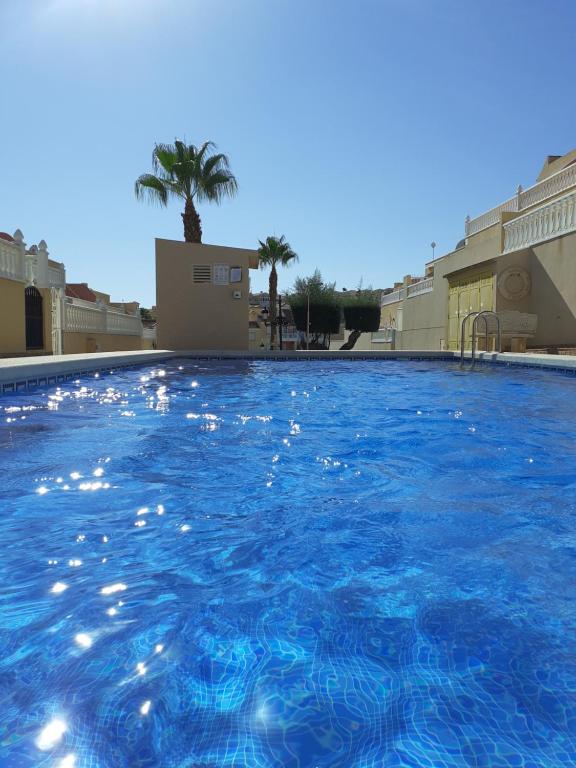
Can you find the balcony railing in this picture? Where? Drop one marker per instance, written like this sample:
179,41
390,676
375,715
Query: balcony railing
56,276
415,289
89,317
392,298
553,220
11,261
543,190
422,286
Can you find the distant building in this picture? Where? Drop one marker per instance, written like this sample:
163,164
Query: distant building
41,314
260,326
518,259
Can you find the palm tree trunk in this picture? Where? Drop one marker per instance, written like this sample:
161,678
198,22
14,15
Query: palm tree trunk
272,292
192,225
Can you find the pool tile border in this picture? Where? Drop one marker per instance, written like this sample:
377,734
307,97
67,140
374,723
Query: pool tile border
21,374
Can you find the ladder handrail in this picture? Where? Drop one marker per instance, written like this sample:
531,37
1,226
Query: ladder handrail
477,315
463,336
482,315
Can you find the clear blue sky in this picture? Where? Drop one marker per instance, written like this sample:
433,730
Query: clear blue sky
361,130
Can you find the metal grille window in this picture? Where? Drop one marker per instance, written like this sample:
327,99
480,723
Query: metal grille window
34,318
201,273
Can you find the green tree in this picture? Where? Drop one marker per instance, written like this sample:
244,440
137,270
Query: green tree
273,252
193,174
146,315
361,310
313,299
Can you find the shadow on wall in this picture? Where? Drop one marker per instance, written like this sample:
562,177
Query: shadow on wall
553,296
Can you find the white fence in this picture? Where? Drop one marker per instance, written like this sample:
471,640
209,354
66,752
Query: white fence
56,276
30,266
89,317
415,289
392,298
553,220
11,260
422,286
538,193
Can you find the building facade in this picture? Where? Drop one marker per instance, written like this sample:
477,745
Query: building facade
202,295
40,314
517,259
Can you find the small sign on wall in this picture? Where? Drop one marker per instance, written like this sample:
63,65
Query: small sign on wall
221,274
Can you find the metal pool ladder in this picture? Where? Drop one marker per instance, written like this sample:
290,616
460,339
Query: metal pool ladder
477,315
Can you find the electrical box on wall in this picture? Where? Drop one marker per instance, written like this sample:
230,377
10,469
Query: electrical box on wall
237,294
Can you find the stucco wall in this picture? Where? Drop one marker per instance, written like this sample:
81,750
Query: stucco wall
76,343
424,319
553,295
200,315
12,318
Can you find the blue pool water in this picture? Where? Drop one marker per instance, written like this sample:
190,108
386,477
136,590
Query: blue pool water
230,564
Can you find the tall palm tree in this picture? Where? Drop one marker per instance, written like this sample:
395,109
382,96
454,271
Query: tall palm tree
194,174
274,251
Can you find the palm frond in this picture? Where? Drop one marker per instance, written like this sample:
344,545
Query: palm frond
151,187
218,185
276,250
201,151
164,157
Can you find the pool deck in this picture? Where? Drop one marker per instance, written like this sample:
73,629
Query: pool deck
20,373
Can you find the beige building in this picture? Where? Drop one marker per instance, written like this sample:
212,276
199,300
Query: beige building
517,259
202,295
41,314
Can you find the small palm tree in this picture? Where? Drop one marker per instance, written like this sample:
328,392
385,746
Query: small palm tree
274,251
194,174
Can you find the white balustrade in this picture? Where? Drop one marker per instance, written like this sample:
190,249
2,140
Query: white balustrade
56,276
422,286
490,217
11,260
90,317
543,190
120,322
30,266
553,220
81,318
415,289
554,185
393,297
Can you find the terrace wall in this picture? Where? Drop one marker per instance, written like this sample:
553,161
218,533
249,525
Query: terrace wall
78,343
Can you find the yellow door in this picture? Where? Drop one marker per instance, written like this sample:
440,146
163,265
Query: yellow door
464,296
453,317
487,292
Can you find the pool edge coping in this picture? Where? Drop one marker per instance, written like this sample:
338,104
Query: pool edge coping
23,373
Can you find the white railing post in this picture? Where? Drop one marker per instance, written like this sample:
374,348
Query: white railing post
21,251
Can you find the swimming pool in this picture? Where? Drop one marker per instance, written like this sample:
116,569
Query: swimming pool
289,564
